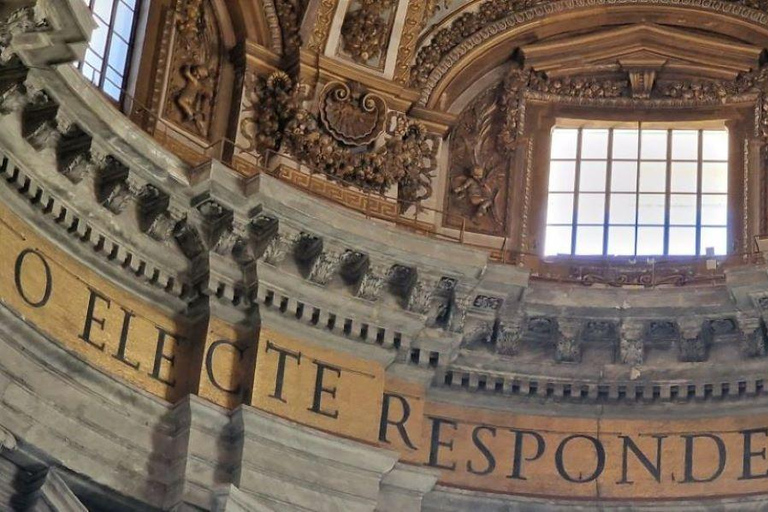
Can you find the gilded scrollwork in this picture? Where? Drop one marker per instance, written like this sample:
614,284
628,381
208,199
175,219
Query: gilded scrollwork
195,67
322,25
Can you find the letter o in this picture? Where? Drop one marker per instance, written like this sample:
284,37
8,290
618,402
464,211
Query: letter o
599,450
48,279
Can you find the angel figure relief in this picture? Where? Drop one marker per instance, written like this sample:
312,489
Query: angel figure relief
196,63
480,167
195,95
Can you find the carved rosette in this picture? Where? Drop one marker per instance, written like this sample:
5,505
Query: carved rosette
195,67
351,115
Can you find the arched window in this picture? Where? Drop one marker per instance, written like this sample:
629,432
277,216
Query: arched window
108,57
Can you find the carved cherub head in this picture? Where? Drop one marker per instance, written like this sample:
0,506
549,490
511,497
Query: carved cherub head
477,172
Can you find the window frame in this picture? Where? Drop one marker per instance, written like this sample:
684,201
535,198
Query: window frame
576,194
529,194
132,42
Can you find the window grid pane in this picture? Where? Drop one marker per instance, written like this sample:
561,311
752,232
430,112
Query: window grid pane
604,200
109,54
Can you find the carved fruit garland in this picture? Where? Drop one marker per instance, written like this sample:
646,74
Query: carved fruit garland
274,120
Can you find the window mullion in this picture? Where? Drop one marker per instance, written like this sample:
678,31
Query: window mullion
667,197
637,181
699,172
608,173
577,190
108,44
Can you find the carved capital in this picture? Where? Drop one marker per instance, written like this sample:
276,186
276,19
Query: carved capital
371,284
509,334
324,267
420,297
568,344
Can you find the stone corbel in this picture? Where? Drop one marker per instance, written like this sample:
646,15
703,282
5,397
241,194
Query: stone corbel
39,125
401,279
13,92
354,265
753,335
694,341
568,343
73,153
112,189
155,217
631,345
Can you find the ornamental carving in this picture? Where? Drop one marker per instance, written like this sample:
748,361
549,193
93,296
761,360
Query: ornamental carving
289,14
19,21
630,276
270,104
466,32
482,145
462,27
366,30
351,115
406,156
580,87
195,67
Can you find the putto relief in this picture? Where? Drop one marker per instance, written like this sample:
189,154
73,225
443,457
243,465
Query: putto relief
195,67
482,145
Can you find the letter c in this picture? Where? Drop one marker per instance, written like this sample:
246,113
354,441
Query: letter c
209,364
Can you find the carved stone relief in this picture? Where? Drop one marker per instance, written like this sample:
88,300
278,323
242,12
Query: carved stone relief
19,21
366,31
195,67
406,157
290,14
470,29
481,145
351,115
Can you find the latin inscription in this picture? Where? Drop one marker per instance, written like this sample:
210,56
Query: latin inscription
472,447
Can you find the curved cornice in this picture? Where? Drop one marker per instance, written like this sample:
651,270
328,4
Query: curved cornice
494,42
